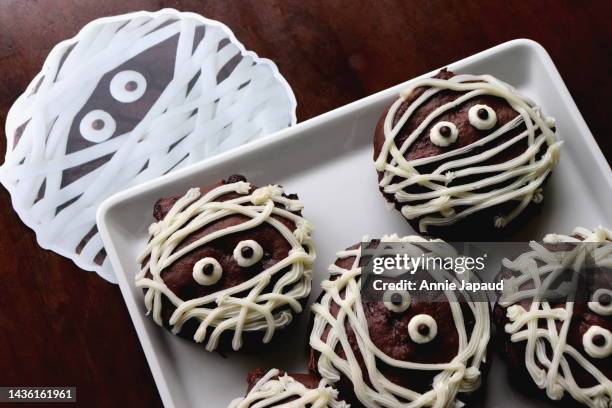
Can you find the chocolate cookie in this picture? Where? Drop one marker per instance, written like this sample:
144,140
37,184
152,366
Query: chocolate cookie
274,388
404,348
463,154
227,264
564,345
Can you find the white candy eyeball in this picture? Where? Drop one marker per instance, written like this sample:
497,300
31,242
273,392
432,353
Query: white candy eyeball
443,134
482,117
422,328
207,271
128,86
597,342
601,303
397,301
248,253
97,126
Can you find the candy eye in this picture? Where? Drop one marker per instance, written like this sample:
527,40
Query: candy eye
207,271
482,117
601,302
443,134
422,328
248,253
128,86
97,126
397,301
597,342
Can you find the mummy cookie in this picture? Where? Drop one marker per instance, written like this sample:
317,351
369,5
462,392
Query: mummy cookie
130,98
228,265
280,390
402,349
459,153
564,346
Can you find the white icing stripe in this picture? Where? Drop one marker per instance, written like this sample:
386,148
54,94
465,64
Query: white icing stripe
462,374
439,203
273,390
547,354
229,309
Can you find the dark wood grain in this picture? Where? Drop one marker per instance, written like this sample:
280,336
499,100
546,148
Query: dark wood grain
61,326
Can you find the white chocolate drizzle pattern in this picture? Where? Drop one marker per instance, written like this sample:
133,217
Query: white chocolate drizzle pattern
462,374
518,180
540,266
230,309
273,390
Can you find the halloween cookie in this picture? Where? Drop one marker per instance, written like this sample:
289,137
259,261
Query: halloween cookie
456,152
274,388
228,264
563,344
402,349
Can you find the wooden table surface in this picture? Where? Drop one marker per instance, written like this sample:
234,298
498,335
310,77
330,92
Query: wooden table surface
62,326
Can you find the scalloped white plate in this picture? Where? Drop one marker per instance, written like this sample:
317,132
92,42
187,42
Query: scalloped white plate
328,162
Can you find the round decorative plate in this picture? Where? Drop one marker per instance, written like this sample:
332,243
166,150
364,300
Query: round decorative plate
128,99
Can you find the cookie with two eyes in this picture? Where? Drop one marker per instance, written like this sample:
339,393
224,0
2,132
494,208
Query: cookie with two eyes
227,265
562,343
275,388
402,348
456,152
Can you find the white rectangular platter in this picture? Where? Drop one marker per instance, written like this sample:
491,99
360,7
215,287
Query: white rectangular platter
328,162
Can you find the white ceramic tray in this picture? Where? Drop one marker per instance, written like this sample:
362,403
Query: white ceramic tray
328,162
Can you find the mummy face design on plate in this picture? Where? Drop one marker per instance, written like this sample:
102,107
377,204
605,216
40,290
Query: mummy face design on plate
453,145
394,338
129,99
577,361
227,261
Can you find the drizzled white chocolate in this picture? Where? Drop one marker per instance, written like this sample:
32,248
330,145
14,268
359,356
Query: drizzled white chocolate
274,390
371,387
547,354
261,308
518,180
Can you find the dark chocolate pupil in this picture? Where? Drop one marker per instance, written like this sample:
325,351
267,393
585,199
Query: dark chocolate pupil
235,178
605,299
131,86
396,299
599,340
423,329
97,124
208,269
445,131
483,113
247,252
